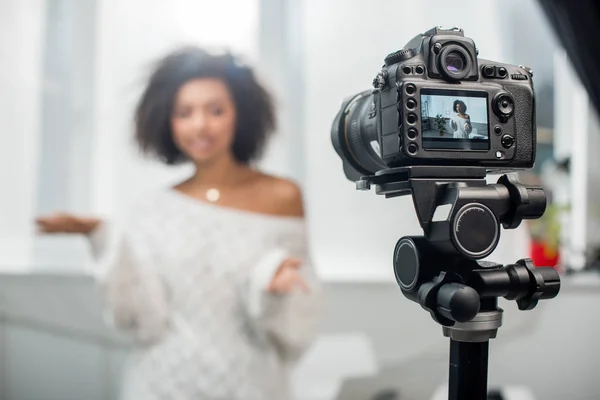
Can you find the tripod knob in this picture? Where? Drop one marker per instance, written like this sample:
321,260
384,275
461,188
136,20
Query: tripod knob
526,202
449,301
457,302
413,258
475,231
523,282
407,263
544,284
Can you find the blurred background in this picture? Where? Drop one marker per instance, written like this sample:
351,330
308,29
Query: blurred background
71,73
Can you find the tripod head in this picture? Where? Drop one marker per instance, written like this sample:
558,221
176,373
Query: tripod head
461,216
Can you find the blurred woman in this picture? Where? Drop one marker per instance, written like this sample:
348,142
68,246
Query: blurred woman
211,277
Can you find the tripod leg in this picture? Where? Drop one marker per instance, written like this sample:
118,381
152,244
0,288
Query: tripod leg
468,370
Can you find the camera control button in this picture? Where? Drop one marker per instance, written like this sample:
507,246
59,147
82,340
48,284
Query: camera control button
507,141
413,149
499,155
497,129
489,71
412,133
503,105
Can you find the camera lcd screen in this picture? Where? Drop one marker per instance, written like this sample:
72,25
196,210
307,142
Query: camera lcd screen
454,120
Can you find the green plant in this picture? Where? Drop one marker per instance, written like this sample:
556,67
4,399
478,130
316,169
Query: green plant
440,123
547,228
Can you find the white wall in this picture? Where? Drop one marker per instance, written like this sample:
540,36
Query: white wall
353,233
577,136
66,126
22,26
593,179
280,64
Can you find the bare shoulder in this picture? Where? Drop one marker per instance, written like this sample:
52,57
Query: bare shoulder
281,196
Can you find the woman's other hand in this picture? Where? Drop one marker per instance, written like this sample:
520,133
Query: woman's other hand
468,127
288,278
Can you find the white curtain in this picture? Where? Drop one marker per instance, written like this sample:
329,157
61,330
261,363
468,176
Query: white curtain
21,47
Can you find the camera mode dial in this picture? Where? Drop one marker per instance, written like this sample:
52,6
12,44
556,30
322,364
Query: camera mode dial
398,56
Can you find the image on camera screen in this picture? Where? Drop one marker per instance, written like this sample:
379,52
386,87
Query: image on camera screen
454,120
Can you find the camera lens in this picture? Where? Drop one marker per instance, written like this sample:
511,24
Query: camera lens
411,89
353,133
411,104
412,118
455,62
412,133
412,148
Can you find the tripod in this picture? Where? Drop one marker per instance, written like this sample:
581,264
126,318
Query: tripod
461,216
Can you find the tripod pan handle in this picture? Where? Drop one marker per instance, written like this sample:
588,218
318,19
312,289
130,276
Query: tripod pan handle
457,302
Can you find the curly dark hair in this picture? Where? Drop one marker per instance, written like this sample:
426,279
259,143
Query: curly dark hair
462,103
254,105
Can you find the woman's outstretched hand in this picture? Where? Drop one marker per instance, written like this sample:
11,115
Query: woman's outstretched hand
288,278
66,223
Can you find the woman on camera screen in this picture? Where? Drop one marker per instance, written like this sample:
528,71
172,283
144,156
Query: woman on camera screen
461,121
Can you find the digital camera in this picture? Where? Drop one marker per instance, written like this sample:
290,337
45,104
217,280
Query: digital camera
435,103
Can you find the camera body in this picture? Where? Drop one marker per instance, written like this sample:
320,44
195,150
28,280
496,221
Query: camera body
492,119
438,120
435,103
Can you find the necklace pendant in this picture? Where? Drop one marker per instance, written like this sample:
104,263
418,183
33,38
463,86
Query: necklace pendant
213,195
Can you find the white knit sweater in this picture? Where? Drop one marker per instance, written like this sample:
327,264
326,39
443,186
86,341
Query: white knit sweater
187,280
